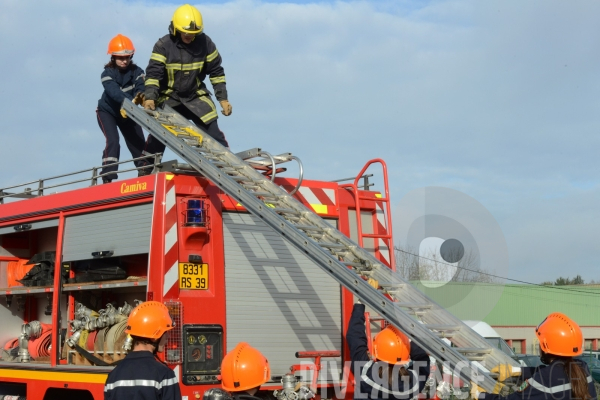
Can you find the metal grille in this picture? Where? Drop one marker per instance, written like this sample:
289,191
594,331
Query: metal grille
174,346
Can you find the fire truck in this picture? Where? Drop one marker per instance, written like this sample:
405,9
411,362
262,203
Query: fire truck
236,251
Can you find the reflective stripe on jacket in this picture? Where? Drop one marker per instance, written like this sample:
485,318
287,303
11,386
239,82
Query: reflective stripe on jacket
119,85
176,74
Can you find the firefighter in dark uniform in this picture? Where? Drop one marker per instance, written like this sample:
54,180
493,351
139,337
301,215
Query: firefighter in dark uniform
140,375
122,79
399,369
561,377
175,75
243,370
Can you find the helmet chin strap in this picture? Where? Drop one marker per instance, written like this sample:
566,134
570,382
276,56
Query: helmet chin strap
546,358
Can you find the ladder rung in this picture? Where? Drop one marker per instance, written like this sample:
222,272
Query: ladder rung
386,285
285,210
263,194
473,350
332,245
309,228
443,327
475,358
354,264
414,305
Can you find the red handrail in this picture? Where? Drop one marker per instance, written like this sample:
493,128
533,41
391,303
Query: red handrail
388,216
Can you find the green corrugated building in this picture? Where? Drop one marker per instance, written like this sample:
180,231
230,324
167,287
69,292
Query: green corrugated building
514,311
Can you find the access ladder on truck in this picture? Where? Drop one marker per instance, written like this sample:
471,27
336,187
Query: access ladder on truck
396,300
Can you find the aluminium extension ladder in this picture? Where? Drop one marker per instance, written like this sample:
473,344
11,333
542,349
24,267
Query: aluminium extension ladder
396,300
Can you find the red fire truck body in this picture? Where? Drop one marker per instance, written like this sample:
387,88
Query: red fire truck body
224,274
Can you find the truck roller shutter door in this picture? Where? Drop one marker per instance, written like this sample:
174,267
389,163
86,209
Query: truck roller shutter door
123,230
278,300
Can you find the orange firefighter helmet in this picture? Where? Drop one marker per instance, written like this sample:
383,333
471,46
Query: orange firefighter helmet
120,45
244,368
150,320
560,335
392,346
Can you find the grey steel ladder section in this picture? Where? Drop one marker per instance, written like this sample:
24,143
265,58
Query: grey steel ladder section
394,299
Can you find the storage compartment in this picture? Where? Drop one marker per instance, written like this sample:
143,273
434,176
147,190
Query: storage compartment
97,323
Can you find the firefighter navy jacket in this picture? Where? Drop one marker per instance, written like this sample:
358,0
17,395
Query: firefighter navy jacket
119,85
140,376
368,383
547,382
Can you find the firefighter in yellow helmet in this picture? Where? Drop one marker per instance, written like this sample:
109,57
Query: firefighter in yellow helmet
243,370
179,63
140,375
397,369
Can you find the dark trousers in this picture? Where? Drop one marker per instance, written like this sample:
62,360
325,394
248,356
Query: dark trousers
153,145
133,135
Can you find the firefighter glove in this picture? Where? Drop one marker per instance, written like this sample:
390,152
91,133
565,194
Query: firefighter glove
139,99
123,113
226,108
476,390
149,105
505,371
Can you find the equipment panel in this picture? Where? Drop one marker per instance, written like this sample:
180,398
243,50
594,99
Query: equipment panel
203,352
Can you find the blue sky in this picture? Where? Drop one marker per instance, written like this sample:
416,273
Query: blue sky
496,99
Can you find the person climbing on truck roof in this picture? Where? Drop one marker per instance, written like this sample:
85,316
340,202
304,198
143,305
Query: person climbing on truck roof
121,79
179,63
561,377
140,375
398,368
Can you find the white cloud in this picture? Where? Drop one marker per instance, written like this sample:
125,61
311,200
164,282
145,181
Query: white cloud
498,99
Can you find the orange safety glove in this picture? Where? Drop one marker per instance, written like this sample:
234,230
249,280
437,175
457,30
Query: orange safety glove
149,105
123,113
139,99
226,108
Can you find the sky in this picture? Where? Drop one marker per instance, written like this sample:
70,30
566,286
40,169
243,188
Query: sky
496,100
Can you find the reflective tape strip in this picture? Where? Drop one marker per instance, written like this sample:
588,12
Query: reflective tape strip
152,82
113,159
158,57
554,389
368,381
106,78
171,277
210,115
212,55
185,67
142,76
218,79
140,382
127,89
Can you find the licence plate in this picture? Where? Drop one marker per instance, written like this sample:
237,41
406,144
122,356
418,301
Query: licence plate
193,276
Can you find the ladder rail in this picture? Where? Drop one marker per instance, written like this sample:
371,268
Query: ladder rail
351,278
